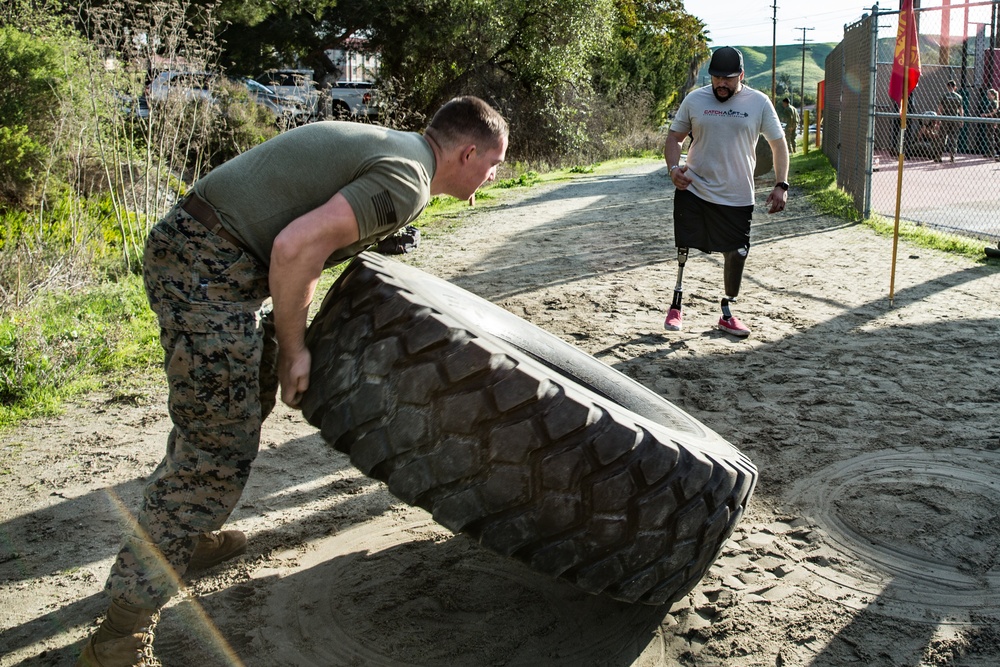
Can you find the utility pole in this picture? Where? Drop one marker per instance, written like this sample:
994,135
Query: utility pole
802,84
774,54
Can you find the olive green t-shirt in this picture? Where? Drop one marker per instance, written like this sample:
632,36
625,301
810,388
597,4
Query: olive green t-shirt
385,175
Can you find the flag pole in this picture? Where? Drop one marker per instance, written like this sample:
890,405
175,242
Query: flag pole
899,171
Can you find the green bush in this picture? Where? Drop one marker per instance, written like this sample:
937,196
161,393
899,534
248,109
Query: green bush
30,77
526,179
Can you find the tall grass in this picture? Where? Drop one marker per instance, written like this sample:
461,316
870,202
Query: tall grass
71,341
814,174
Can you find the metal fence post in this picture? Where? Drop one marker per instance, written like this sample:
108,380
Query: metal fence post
805,131
870,134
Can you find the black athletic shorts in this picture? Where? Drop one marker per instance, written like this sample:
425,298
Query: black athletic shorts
710,227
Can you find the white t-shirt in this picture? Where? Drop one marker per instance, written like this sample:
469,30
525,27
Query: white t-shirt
723,150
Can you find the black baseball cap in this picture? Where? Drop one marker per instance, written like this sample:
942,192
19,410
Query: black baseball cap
726,62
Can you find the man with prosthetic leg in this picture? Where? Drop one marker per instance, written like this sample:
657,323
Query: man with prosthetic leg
714,196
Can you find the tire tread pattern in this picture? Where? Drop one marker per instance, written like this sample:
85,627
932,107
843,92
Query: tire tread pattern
494,446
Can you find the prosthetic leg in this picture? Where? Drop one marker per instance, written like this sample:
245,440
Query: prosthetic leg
735,260
673,321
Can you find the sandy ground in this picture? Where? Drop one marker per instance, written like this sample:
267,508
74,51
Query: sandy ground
872,538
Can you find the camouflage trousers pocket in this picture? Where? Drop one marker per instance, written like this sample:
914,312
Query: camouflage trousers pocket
214,381
184,262
207,318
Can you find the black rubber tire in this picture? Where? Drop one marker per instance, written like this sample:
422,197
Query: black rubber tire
765,157
992,252
518,439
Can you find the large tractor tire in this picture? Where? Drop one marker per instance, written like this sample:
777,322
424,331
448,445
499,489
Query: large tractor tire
765,158
525,443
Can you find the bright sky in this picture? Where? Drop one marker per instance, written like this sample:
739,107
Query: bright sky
750,22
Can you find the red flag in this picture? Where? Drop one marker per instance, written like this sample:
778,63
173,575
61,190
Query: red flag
907,53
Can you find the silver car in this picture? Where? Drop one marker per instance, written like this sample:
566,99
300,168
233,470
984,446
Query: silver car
297,84
198,86
186,86
291,109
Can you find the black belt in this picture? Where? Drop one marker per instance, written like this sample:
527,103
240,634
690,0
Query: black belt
202,213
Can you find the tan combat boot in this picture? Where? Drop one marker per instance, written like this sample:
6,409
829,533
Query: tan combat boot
214,548
124,639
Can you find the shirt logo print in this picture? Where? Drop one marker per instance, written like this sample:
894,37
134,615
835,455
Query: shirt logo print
730,113
384,209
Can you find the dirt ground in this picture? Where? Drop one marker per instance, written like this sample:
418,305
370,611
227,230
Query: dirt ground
872,538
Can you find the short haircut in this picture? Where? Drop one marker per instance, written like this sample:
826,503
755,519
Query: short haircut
785,100
992,91
951,82
467,118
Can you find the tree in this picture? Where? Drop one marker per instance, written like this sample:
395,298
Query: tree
530,58
539,61
658,47
785,87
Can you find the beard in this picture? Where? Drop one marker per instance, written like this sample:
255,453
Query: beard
722,98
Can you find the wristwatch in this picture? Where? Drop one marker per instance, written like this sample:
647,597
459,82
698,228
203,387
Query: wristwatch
783,185
671,170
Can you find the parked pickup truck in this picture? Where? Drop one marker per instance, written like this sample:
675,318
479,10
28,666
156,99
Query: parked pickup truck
353,99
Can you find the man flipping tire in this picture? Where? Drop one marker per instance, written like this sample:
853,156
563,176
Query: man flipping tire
264,224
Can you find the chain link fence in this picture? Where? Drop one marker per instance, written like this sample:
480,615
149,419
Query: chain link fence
951,166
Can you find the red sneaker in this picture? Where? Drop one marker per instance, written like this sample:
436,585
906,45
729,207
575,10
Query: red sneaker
673,321
734,326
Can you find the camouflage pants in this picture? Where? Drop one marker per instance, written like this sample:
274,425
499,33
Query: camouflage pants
221,365
790,131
